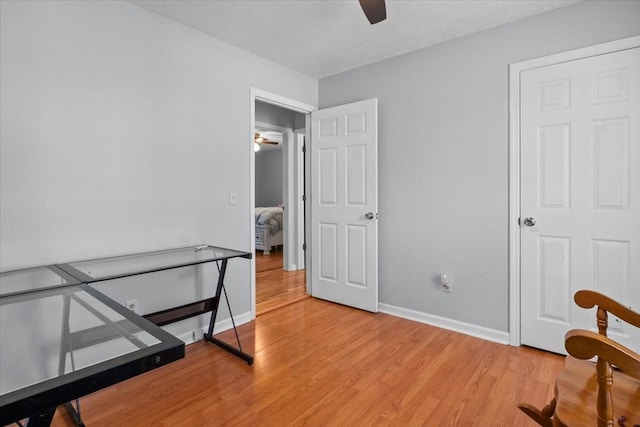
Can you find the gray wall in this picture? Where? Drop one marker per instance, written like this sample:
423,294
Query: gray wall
443,168
274,115
269,178
122,131
269,170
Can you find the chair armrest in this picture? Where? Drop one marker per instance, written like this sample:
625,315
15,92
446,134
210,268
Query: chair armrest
589,299
583,344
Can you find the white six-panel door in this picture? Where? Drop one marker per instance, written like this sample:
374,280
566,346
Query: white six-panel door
580,184
344,204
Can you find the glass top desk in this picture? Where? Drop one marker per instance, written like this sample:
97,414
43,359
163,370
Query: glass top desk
99,270
61,339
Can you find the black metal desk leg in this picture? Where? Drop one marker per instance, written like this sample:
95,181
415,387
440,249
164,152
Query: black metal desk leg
41,420
74,413
214,312
66,347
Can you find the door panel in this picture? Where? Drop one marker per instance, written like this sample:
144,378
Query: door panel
580,181
328,243
328,171
356,255
344,146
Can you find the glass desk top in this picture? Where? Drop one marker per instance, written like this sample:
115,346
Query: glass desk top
61,339
63,343
33,279
129,265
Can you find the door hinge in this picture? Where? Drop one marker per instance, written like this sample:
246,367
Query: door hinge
304,246
304,148
304,198
519,223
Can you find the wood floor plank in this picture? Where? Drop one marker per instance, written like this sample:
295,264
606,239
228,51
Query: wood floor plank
323,364
276,287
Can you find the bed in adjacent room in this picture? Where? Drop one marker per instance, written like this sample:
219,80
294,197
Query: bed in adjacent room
269,227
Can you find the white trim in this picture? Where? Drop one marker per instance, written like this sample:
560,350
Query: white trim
514,205
281,101
308,266
488,334
290,104
271,127
251,219
290,251
298,161
514,160
572,55
220,326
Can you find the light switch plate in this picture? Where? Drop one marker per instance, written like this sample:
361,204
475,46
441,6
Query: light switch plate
233,197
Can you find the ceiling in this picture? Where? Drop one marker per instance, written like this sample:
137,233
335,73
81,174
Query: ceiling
320,38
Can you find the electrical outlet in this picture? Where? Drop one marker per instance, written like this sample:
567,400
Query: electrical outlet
132,305
196,335
445,281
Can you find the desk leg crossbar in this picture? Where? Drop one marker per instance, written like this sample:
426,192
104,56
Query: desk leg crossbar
214,312
67,347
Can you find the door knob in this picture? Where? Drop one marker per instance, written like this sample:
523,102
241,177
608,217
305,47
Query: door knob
369,215
529,221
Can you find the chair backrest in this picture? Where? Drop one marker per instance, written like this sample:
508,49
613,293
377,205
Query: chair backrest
590,299
583,344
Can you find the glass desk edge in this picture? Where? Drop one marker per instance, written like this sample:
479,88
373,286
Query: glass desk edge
70,270
35,398
71,281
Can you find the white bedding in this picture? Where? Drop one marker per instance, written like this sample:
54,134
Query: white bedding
271,216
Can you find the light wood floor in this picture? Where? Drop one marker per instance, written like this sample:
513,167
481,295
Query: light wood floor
323,364
275,287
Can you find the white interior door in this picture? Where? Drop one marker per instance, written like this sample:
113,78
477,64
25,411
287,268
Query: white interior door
580,184
344,204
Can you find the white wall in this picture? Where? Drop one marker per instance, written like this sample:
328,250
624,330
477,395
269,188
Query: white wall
123,131
443,156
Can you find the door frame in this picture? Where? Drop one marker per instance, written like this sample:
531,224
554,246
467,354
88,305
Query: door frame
515,70
289,104
299,192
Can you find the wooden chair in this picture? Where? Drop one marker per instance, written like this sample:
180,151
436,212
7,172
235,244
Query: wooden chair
606,393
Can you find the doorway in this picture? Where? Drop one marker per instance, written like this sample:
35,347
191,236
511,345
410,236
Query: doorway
346,173
278,185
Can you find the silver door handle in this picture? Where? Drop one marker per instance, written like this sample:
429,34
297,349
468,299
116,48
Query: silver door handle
529,221
369,215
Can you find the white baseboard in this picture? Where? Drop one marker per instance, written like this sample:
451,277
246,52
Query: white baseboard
221,326
488,334
494,335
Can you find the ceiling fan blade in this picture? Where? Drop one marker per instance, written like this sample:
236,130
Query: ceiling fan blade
266,141
375,10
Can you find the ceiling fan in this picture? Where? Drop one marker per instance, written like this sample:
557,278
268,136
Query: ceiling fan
374,10
259,139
